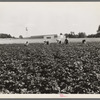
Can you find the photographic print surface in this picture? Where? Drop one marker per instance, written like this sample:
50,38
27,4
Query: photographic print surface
50,48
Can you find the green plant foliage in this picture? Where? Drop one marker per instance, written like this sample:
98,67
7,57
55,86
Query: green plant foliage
54,68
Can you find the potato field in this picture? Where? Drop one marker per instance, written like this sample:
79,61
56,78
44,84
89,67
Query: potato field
50,69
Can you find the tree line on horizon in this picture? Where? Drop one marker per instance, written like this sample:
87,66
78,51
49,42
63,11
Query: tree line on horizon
69,35
4,35
83,34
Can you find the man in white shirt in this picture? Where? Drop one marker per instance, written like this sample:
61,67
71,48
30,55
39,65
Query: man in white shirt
60,38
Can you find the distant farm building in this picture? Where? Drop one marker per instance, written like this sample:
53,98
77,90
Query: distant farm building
50,37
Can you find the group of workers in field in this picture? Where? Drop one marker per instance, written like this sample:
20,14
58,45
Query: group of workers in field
63,39
60,39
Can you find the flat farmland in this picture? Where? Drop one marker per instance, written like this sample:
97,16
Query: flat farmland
54,68
18,41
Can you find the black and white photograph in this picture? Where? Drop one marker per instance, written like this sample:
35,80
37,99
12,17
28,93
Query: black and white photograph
50,48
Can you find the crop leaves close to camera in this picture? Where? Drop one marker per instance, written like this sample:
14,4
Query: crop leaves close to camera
54,68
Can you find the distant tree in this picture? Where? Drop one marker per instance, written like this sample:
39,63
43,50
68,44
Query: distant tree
13,37
71,35
21,37
91,36
81,35
98,32
98,29
95,35
3,35
66,35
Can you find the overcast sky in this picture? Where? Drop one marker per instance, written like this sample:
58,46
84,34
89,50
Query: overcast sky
49,17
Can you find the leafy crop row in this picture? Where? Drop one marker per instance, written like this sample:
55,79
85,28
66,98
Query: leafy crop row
54,68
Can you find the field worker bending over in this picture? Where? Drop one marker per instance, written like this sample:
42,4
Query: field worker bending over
26,44
83,41
60,38
46,42
66,40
